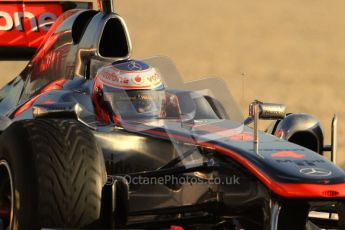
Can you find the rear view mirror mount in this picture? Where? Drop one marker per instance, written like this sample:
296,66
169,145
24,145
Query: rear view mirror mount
265,111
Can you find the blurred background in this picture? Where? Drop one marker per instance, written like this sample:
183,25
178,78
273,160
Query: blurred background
292,52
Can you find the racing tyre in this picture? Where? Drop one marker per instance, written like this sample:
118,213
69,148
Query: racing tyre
51,175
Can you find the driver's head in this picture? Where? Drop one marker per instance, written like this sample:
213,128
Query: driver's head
133,89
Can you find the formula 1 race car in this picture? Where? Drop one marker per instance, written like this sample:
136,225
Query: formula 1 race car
91,138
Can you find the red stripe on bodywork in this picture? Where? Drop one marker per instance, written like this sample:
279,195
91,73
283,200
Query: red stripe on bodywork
283,189
231,134
53,85
288,154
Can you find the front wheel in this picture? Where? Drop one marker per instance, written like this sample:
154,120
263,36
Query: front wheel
51,175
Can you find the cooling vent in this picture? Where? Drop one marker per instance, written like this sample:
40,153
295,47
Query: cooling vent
330,193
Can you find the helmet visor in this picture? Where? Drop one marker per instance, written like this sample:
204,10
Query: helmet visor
137,103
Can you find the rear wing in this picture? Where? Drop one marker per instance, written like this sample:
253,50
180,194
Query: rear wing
24,23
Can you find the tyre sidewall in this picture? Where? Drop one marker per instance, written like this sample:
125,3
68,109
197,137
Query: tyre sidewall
13,143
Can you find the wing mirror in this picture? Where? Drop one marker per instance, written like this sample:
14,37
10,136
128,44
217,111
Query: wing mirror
268,111
265,111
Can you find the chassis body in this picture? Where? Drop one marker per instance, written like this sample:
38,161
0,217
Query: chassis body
257,187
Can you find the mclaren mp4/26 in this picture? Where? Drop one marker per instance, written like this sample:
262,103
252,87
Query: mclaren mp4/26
93,138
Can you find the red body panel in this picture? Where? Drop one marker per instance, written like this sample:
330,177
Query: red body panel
52,86
26,24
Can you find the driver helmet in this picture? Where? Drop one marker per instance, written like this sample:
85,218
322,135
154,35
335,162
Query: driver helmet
128,90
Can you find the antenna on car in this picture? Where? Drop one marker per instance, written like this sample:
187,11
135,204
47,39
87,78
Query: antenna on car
107,6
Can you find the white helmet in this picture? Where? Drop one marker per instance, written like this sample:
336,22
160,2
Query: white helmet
133,88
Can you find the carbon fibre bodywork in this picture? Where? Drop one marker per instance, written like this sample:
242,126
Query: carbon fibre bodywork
57,83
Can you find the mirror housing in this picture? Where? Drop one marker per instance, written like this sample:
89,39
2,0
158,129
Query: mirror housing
268,111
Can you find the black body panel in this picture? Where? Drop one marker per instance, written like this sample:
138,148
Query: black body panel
211,145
